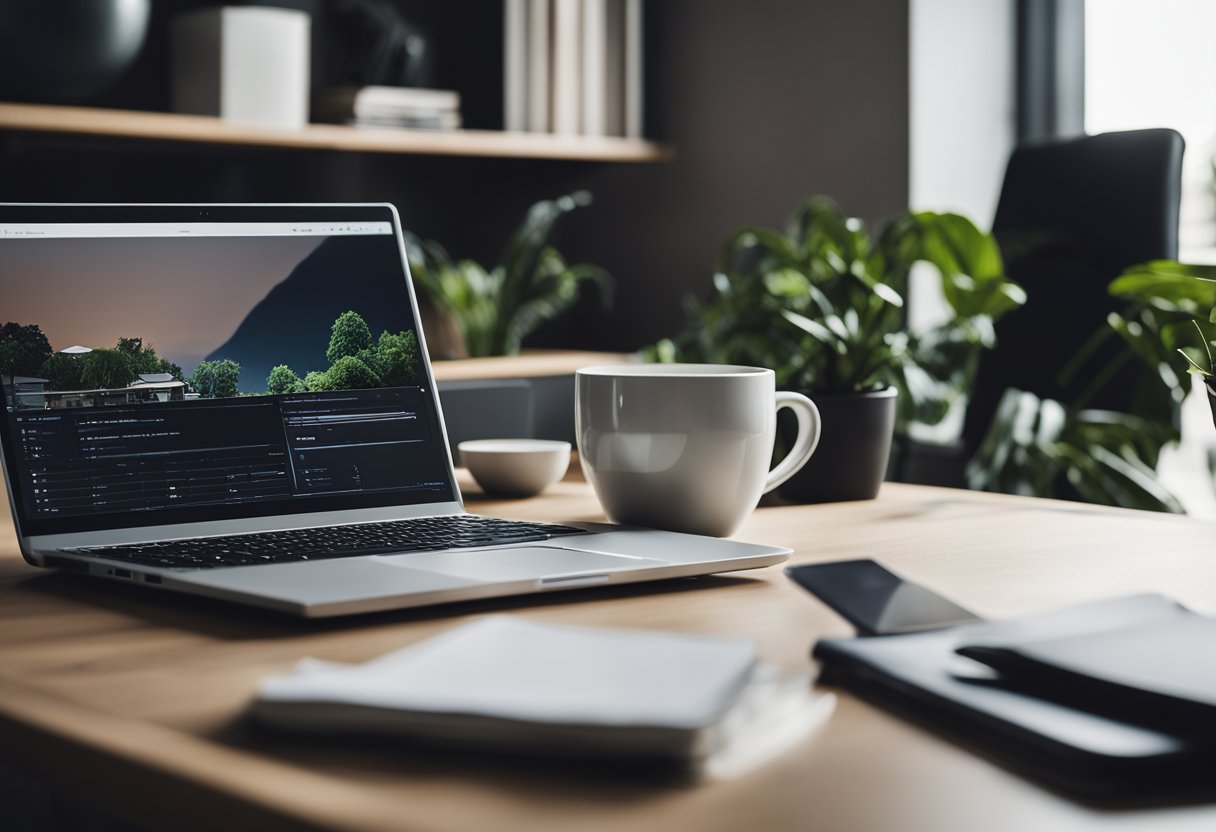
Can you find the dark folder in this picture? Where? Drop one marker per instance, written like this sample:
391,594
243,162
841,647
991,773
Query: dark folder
1062,743
1159,673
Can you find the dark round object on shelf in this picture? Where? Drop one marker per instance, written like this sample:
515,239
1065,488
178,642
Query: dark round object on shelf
67,50
851,459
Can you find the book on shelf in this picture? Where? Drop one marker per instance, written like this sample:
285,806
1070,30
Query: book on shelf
515,65
388,107
634,88
440,121
382,97
573,66
537,85
593,69
567,86
508,684
614,67
385,112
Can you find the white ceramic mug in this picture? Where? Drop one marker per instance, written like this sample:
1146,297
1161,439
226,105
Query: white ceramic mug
685,447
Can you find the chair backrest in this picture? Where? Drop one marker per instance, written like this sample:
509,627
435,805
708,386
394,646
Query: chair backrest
1072,215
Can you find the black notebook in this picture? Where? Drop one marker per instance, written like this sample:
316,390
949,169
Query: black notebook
1158,673
1061,741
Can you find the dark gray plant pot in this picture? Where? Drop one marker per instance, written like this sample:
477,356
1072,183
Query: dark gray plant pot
851,460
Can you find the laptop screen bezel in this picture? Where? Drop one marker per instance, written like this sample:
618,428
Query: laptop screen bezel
240,515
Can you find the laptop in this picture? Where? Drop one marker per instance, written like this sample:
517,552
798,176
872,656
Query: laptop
235,401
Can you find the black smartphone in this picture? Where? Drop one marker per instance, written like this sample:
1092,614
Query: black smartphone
877,601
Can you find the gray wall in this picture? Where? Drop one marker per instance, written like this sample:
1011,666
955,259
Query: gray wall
766,102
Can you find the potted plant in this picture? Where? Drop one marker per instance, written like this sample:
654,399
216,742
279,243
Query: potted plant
822,304
494,310
1046,448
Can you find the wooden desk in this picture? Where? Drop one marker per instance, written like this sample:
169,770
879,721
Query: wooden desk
132,700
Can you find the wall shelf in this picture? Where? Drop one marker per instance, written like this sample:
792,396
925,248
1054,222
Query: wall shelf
135,124
536,363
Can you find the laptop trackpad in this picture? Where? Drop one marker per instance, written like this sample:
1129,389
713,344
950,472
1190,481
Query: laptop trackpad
526,562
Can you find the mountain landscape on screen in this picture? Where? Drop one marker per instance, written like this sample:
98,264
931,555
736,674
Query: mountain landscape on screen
292,324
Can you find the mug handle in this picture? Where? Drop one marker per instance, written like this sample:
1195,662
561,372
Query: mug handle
804,445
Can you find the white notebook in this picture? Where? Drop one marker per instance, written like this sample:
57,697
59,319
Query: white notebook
508,682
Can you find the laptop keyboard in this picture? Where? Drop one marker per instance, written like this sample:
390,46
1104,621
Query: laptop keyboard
393,537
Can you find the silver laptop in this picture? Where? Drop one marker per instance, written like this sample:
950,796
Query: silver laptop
235,401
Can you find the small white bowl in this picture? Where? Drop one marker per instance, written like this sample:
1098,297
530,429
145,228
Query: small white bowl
515,467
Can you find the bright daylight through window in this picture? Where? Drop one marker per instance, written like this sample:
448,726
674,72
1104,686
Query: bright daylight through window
1152,64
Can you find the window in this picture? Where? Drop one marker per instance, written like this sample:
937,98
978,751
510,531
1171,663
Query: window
1154,65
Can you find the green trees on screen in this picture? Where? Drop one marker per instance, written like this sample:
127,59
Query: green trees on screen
357,362
216,379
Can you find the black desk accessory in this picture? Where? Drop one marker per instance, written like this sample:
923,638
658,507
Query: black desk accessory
876,601
1095,755
1160,674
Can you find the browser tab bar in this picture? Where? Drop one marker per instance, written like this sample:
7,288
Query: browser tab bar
27,230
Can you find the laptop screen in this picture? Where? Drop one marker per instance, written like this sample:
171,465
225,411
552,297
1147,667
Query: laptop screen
169,364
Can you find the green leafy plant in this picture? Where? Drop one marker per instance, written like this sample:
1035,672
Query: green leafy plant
822,304
1179,301
496,309
1110,456
1105,456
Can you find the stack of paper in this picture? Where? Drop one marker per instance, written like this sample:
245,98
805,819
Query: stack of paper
380,106
509,683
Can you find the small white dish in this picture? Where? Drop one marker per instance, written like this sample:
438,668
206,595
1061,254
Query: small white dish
515,467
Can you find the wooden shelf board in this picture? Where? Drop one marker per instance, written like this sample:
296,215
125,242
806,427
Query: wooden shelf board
529,364
136,124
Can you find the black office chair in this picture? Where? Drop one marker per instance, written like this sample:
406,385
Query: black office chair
1072,215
